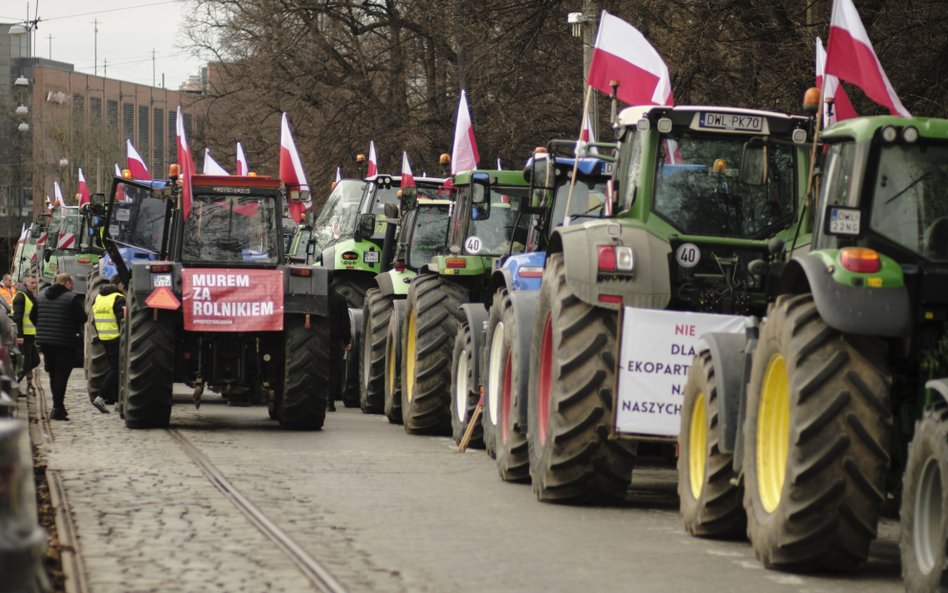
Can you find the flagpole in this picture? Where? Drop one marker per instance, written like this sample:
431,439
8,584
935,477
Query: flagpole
572,181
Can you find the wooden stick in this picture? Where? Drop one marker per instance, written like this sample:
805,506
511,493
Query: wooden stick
469,432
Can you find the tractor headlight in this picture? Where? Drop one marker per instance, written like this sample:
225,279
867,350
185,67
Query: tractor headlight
910,134
889,134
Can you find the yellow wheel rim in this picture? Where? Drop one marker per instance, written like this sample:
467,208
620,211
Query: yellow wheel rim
391,368
697,445
410,357
773,433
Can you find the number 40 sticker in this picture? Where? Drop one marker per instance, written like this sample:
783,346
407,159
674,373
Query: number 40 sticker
688,255
473,245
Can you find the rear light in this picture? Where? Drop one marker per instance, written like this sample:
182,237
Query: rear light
350,256
399,265
861,260
607,258
186,356
456,262
304,272
610,298
615,258
83,260
530,272
159,268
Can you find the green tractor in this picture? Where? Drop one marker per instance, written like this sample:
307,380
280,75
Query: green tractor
336,219
449,294
697,194
29,249
849,366
73,245
421,222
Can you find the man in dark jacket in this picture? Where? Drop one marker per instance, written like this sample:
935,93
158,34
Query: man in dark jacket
60,314
108,310
24,315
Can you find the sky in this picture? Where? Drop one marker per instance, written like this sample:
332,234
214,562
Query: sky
128,32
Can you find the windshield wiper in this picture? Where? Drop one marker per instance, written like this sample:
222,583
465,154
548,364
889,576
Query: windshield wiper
911,185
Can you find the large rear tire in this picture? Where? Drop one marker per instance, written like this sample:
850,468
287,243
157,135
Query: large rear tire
925,504
710,501
464,390
95,360
305,392
432,318
375,315
393,364
504,369
816,437
150,367
352,286
572,383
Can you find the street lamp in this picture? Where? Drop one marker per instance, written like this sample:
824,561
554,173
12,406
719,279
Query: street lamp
583,26
23,127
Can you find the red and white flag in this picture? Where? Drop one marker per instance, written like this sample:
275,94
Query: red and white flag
291,171
842,107
464,156
135,163
186,164
622,53
84,196
408,180
120,192
849,55
373,169
23,232
586,135
58,192
242,168
212,167
49,204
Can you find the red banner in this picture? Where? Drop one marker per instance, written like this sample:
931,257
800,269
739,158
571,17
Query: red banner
232,300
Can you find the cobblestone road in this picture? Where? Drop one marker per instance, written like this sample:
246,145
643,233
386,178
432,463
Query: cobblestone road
383,511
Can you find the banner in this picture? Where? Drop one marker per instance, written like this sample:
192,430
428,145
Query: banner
230,300
655,353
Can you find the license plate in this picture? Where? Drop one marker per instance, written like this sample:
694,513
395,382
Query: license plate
844,221
160,280
735,122
371,257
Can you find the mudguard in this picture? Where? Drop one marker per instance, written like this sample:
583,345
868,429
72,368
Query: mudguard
525,313
514,280
849,309
306,294
476,316
68,264
939,386
394,283
332,256
731,358
647,286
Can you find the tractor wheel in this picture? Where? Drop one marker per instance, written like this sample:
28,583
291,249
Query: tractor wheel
464,390
493,374
432,317
816,438
510,444
95,361
375,315
572,384
350,389
393,364
352,287
925,504
149,367
305,392
709,499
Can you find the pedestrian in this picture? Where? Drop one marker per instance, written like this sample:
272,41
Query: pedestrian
24,316
108,309
7,290
60,315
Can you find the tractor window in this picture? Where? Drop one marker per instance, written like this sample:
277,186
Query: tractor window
698,189
589,198
909,199
231,229
138,220
383,195
429,234
339,214
300,240
499,229
64,228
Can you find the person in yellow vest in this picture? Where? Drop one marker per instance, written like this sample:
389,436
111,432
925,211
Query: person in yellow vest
7,290
108,310
24,315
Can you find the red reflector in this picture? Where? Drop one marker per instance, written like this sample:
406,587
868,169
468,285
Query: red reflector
861,260
607,259
610,298
306,272
186,356
456,262
531,272
163,298
350,256
83,260
399,265
159,268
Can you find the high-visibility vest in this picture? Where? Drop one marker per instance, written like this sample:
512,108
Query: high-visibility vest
28,328
106,325
7,294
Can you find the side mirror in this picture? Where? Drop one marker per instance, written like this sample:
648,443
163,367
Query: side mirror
409,200
98,199
480,188
754,164
366,225
391,208
310,248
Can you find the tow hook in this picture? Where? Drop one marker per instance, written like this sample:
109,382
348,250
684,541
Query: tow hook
198,390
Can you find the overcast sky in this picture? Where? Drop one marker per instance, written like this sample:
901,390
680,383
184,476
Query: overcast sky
129,30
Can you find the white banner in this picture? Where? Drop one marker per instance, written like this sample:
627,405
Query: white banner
655,353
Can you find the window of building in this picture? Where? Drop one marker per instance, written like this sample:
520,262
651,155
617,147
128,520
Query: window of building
128,121
144,132
95,109
158,162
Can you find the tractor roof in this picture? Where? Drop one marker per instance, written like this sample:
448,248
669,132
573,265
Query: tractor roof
501,177
631,115
864,128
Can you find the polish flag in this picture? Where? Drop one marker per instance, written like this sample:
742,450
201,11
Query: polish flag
58,192
291,171
120,192
242,168
586,135
186,163
373,162
622,53
408,180
673,153
84,196
135,163
849,56
49,204
464,156
842,107
212,167
23,232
